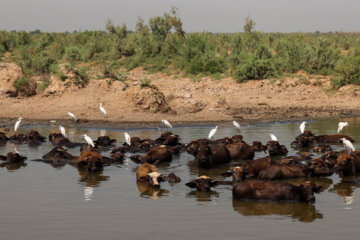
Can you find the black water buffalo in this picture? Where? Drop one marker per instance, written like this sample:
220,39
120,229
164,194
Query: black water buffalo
202,184
284,171
275,191
239,151
212,154
274,148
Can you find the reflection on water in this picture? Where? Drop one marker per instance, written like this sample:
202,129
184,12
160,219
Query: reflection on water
92,179
303,212
88,193
203,196
346,189
148,191
13,166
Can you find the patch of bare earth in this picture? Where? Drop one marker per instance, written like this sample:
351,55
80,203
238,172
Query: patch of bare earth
181,99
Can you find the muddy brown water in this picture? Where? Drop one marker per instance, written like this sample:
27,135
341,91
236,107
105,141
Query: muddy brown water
41,201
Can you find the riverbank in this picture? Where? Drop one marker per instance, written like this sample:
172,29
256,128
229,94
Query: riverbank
146,98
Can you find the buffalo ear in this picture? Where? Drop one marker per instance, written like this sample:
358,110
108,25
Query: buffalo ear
191,184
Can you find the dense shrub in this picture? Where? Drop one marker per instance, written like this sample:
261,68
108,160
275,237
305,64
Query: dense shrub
348,69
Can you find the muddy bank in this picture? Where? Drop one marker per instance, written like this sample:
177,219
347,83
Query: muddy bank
178,99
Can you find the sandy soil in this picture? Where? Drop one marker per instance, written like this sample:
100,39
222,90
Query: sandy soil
181,99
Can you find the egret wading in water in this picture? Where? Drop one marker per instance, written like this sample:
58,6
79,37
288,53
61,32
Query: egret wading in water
17,124
102,109
212,133
349,147
72,116
273,137
127,138
166,123
341,125
302,127
62,130
236,125
89,140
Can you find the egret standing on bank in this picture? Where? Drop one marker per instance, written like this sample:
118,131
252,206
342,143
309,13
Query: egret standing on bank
89,140
102,109
127,138
273,137
62,130
341,125
349,147
166,122
72,116
212,132
236,125
17,124
302,127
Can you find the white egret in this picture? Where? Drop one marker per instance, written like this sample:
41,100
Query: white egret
349,147
273,137
89,140
62,130
102,109
212,132
341,125
302,127
127,138
16,150
236,125
72,116
166,122
17,124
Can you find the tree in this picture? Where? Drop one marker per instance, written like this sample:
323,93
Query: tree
141,27
249,25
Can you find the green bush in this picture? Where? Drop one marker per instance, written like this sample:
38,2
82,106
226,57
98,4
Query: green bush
73,54
348,69
25,86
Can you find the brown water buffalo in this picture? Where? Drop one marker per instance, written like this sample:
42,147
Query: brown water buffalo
320,168
202,184
253,168
17,138
284,171
307,139
168,139
212,154
335,138
3,138
274,148
13,157
58,155
239,151
90,161
192,147
258,146
156,154
34,138
104,141
58,139
237,138
148,173
348,164
322,148
275,191
172,178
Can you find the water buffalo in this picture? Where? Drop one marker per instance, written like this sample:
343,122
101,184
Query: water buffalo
192,147
284,171
335,138
156,154
239,151
58,139
212,154
322,148
148,173
348,164
34,138
274,148
202,184
275,191
104,141
306,139
3,138
58,155
90,161
253,168
13,157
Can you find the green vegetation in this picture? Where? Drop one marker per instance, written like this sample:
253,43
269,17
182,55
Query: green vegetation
162,45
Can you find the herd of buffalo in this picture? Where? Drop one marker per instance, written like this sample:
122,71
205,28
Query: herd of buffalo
251,179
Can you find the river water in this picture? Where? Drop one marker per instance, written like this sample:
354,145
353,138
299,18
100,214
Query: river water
41,201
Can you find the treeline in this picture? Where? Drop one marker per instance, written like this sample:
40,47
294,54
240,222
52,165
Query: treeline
162,45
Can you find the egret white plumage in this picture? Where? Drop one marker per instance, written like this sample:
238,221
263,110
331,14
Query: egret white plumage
127,138
341,125
302,127
166,122
273,137
236,125
89,140
72,116
102,109
62,130
212,132
17,124
349,147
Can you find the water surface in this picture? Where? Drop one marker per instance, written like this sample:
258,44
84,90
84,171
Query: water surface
40,201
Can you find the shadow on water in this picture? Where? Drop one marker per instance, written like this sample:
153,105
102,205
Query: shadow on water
92,179
148,191
303,212
11,167
346,188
